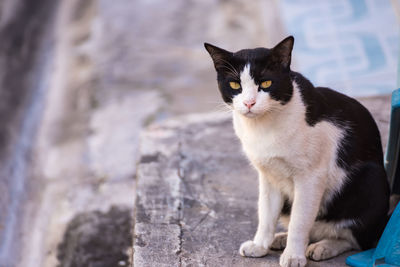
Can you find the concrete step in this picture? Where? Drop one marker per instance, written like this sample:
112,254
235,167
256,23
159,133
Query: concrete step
196,193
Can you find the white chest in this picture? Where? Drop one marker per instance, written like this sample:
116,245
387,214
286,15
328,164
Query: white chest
286,149
283,147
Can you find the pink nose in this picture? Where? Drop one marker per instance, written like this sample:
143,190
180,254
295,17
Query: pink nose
249,103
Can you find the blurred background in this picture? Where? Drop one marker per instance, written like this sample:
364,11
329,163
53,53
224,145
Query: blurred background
80,79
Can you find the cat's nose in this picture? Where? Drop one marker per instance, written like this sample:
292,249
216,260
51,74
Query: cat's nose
249,103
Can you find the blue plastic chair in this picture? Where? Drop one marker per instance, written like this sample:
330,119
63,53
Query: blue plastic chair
387,253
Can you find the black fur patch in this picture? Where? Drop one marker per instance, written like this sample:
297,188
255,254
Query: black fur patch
365,196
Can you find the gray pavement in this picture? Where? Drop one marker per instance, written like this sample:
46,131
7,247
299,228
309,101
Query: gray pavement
196,194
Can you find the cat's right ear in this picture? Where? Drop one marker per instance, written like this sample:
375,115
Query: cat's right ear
218,55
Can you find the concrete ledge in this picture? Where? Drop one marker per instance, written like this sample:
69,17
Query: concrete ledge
196,194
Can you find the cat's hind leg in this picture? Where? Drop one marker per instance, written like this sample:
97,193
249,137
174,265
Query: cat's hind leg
327,248
279,242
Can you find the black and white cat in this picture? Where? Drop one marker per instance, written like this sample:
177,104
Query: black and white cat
317,152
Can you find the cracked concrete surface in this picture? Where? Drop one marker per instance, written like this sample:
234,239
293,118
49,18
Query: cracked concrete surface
196,193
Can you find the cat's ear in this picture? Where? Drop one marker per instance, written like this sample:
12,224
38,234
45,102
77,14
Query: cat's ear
283,52
218,55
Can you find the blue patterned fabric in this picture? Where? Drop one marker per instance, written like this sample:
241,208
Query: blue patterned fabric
349,45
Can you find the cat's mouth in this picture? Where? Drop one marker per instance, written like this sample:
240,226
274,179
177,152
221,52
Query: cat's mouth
250,114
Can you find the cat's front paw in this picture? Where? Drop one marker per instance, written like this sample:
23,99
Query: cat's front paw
289,259
250,249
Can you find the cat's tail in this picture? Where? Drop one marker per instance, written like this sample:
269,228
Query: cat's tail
394,200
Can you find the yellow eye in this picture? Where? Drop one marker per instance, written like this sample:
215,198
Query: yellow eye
265,84
234,85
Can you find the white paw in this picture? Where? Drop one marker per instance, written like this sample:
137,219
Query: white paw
279,242
288,259
250,249
319,252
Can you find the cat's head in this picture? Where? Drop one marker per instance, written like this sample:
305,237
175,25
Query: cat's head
254,81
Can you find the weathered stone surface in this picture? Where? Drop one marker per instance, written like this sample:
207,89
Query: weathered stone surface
196,194
152,251
97,239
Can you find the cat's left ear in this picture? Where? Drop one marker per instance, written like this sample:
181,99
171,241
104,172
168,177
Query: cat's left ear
283,52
